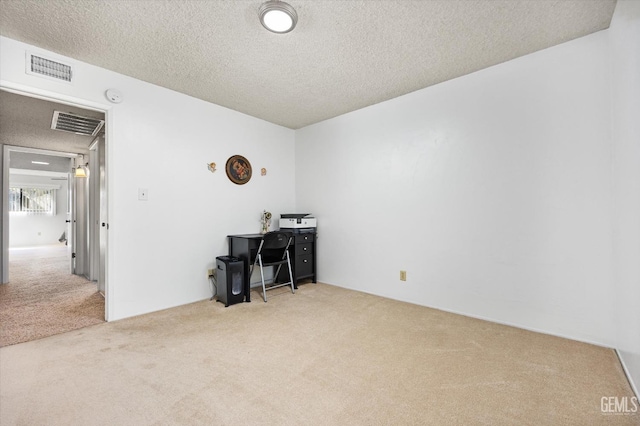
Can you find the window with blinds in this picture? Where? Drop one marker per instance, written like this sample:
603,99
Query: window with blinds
32,200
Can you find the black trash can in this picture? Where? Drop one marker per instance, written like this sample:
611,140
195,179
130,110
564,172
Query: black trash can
230,280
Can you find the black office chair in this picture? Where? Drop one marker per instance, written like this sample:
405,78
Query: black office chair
274,250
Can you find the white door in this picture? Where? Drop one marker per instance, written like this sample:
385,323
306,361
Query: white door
94,213
104,220
71,223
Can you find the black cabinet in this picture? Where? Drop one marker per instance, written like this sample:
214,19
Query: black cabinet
303,255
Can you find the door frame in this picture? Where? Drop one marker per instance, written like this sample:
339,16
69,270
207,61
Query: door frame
50,96
98,211
71,196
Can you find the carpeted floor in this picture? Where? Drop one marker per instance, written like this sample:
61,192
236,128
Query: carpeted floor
322,356
43,298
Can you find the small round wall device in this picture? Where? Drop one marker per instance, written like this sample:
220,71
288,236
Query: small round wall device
114,96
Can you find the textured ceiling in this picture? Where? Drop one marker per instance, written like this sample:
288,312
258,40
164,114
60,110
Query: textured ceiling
343,54
23,160
26,121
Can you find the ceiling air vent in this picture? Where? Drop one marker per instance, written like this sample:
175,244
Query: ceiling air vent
44,67
72,123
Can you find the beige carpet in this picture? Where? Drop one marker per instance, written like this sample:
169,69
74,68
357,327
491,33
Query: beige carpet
322,356
43,298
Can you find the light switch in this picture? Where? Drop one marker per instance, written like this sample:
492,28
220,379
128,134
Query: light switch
143,194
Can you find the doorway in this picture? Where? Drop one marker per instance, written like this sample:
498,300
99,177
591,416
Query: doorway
80,239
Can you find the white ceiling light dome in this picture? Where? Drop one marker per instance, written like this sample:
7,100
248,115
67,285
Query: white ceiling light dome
278,16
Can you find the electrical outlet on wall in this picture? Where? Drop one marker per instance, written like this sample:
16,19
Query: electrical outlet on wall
210,272
403,275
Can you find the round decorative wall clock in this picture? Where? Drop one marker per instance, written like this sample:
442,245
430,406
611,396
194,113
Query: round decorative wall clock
238,169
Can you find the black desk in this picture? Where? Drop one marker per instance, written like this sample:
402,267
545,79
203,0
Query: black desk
302,254
245,246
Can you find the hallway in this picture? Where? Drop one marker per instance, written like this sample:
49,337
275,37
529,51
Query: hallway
43,298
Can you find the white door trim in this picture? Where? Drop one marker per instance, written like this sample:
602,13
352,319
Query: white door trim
33,92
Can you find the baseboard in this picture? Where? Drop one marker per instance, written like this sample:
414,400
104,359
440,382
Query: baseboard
522,327
483,318
626,372
624,367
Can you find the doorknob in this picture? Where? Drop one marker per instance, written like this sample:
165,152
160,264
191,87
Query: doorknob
68,221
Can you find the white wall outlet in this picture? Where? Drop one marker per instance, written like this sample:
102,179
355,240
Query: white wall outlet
143,194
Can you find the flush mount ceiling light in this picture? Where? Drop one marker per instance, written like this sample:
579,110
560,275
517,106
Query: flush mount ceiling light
277,16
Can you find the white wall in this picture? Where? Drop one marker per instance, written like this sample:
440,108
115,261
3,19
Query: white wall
493,192
39,230
625,43
160,249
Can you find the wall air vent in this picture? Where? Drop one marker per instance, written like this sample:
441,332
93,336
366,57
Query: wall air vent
37,65
68,122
